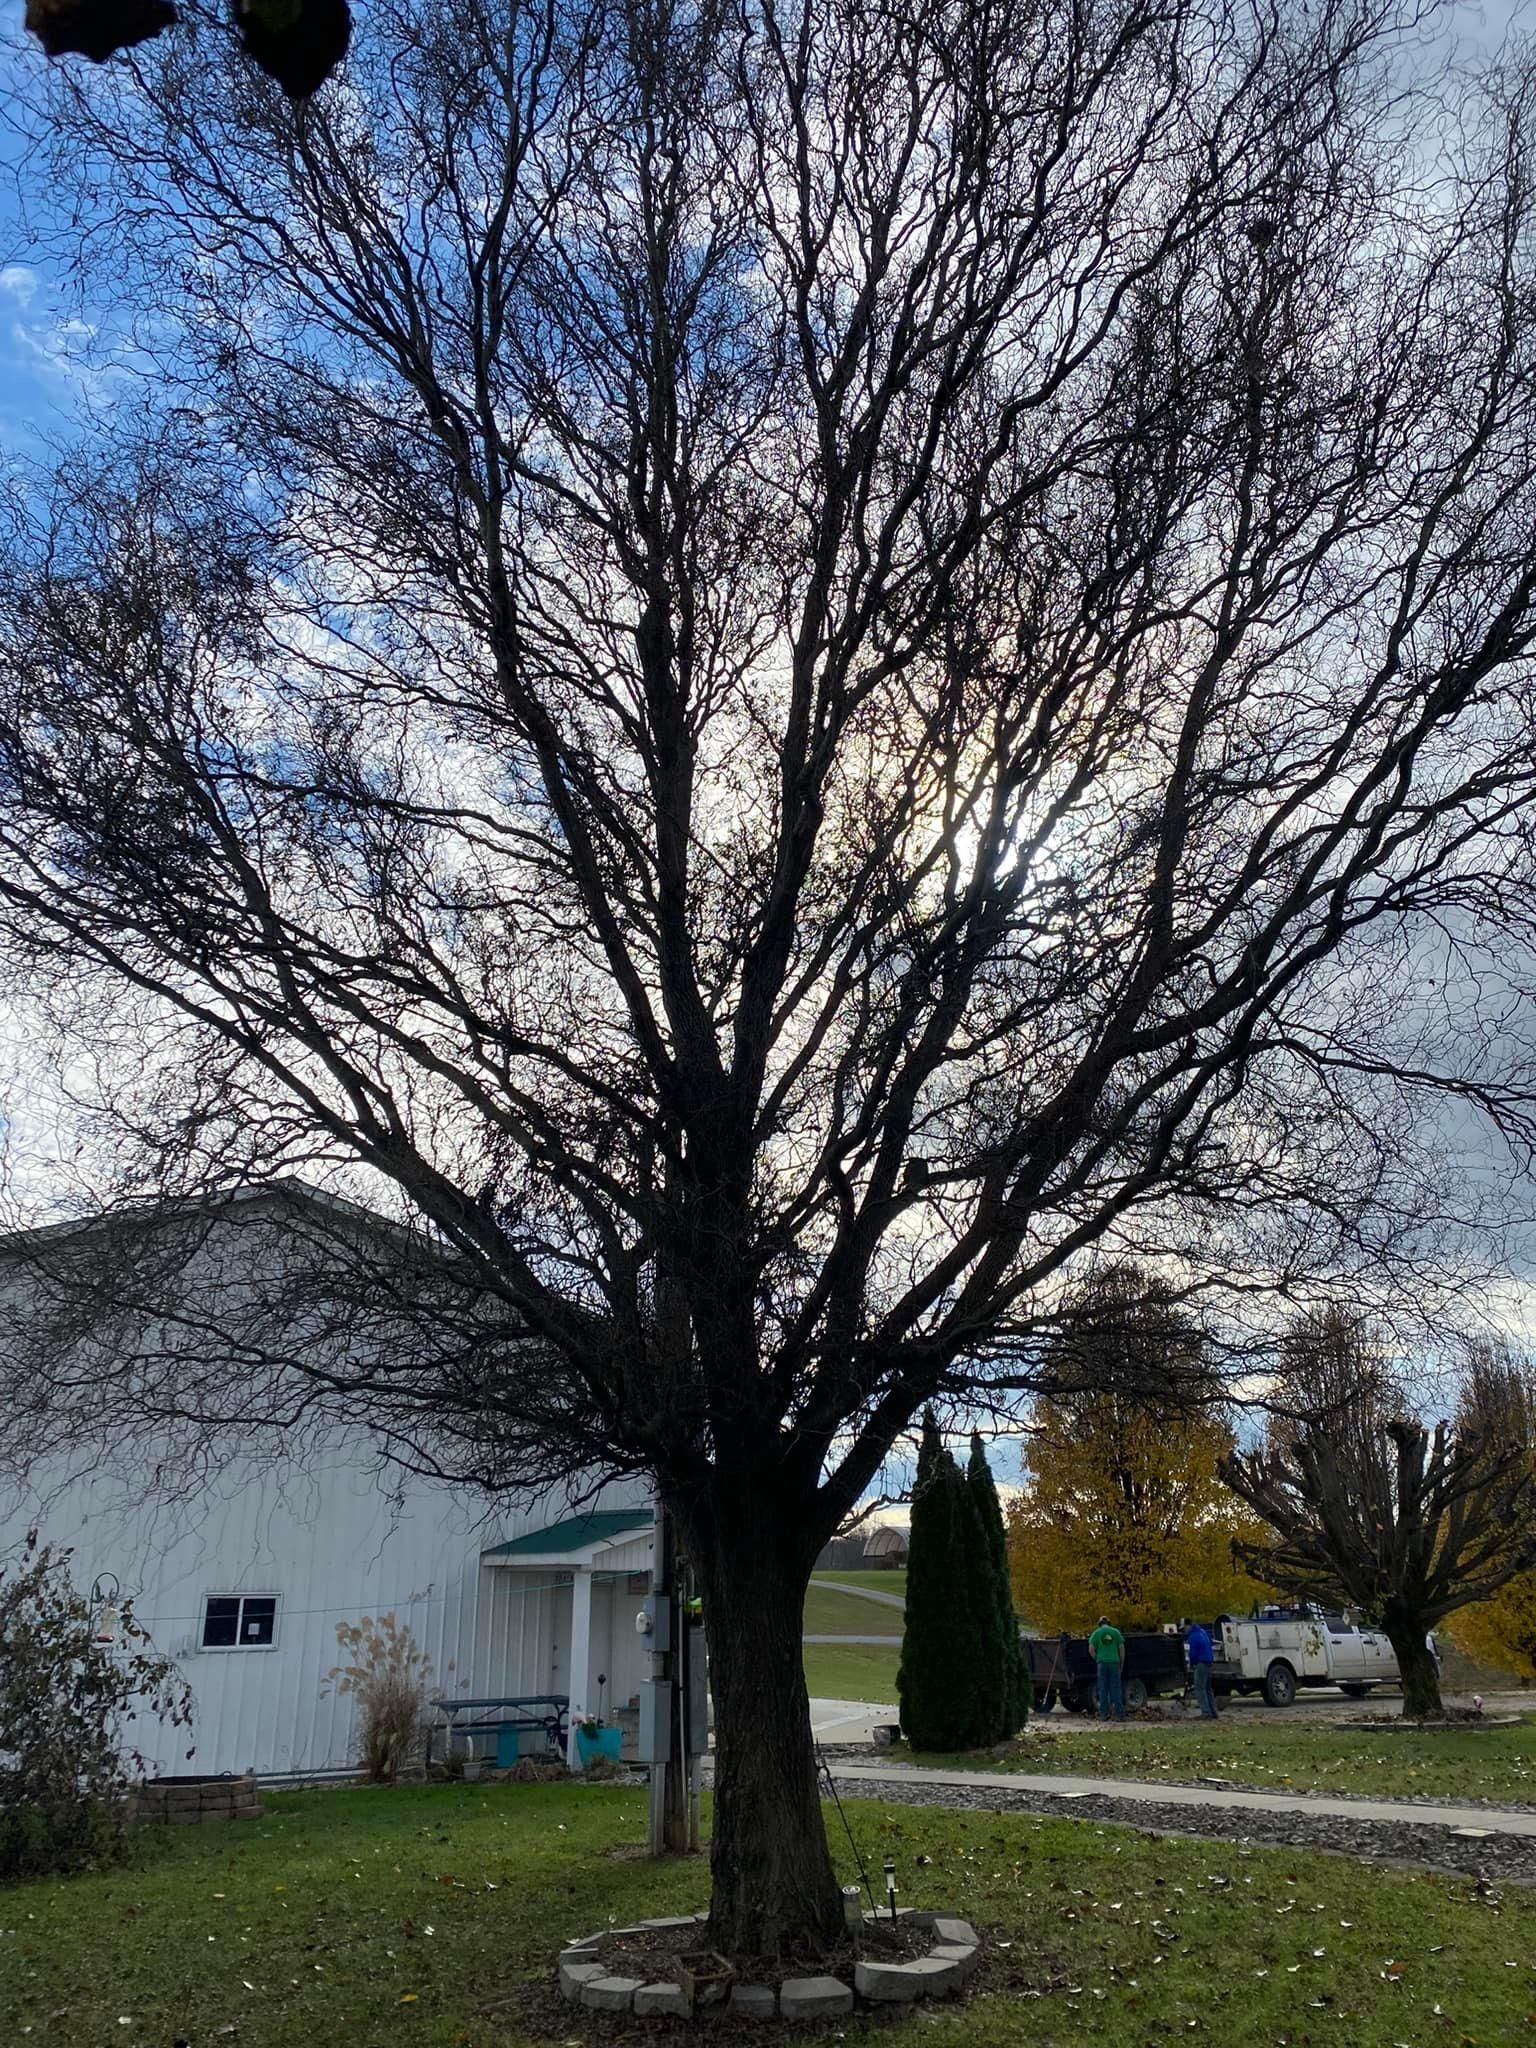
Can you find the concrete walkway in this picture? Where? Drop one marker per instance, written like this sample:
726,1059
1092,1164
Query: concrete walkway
863,1592
1481,1819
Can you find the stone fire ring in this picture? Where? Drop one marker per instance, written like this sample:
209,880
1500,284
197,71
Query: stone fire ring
586,1980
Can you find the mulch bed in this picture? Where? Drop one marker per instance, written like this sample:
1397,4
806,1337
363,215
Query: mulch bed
1454,1721
654,1953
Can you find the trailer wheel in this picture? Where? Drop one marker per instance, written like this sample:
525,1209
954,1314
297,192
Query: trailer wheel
1075,1700
1045,1699
1279,1684
1134,1693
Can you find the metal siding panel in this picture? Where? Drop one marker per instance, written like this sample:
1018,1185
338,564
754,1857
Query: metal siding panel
334,1546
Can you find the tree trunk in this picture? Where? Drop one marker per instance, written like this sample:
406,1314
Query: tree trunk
1416,1666
774,1892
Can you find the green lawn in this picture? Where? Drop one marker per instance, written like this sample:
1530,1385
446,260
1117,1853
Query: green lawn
877,1582
1498,1763
830,1613
425,1918
851,1671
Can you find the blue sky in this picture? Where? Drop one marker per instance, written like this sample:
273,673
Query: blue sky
56,371
63,359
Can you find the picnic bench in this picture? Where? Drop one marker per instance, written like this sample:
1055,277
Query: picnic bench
505,1721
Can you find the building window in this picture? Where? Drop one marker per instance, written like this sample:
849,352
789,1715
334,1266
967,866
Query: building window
239,1622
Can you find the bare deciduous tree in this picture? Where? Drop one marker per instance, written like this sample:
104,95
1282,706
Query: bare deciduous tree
1374,1510
788,666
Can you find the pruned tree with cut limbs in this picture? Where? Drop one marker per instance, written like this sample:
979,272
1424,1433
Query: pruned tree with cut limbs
1376,1510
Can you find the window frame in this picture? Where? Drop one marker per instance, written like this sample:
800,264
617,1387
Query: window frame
208,1649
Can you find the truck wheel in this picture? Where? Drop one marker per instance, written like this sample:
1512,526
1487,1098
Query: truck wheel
1134,1693
1279,1684
1355,1692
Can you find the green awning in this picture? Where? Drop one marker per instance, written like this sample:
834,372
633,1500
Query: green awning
576,1533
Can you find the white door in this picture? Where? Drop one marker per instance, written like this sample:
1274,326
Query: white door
1380,1659
1346,1650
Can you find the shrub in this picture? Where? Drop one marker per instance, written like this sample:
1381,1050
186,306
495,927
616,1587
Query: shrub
67,1704
941,1681
390,1678
1008,1683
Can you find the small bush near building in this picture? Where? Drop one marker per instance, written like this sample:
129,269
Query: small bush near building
70,1691
390,1678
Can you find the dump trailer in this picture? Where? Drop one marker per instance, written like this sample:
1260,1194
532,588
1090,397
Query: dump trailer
1062,1668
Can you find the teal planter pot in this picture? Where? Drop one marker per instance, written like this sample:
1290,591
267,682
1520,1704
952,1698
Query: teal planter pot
605,1742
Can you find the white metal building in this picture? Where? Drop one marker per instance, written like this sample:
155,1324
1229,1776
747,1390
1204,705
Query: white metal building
244,1587
244,1581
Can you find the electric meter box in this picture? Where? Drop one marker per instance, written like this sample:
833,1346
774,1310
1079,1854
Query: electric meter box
655,1714
656,1619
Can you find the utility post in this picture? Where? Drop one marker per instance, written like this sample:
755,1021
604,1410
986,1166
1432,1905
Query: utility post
667,1832
692,1695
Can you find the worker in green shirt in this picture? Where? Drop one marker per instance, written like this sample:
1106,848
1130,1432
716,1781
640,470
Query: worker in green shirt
1108,1647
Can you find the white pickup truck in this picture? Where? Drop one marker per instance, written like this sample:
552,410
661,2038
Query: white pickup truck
1276,1651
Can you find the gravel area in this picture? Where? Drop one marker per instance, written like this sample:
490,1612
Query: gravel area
1495,1859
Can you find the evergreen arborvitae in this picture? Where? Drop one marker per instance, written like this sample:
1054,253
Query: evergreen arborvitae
937,1681
1014,1683
988,1674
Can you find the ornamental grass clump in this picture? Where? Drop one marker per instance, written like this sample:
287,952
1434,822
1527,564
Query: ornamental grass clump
389,1677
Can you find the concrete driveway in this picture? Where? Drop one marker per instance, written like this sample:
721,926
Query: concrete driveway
1330,1705
848,1720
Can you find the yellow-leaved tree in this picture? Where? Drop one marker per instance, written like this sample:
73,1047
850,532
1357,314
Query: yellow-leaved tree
1122,1511
1500,1391
1501,1631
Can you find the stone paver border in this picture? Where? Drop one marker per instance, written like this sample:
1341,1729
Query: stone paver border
586,1980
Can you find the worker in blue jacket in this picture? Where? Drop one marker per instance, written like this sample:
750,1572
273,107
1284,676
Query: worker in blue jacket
1197,1649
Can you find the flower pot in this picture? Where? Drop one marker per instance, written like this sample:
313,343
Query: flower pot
601,1742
